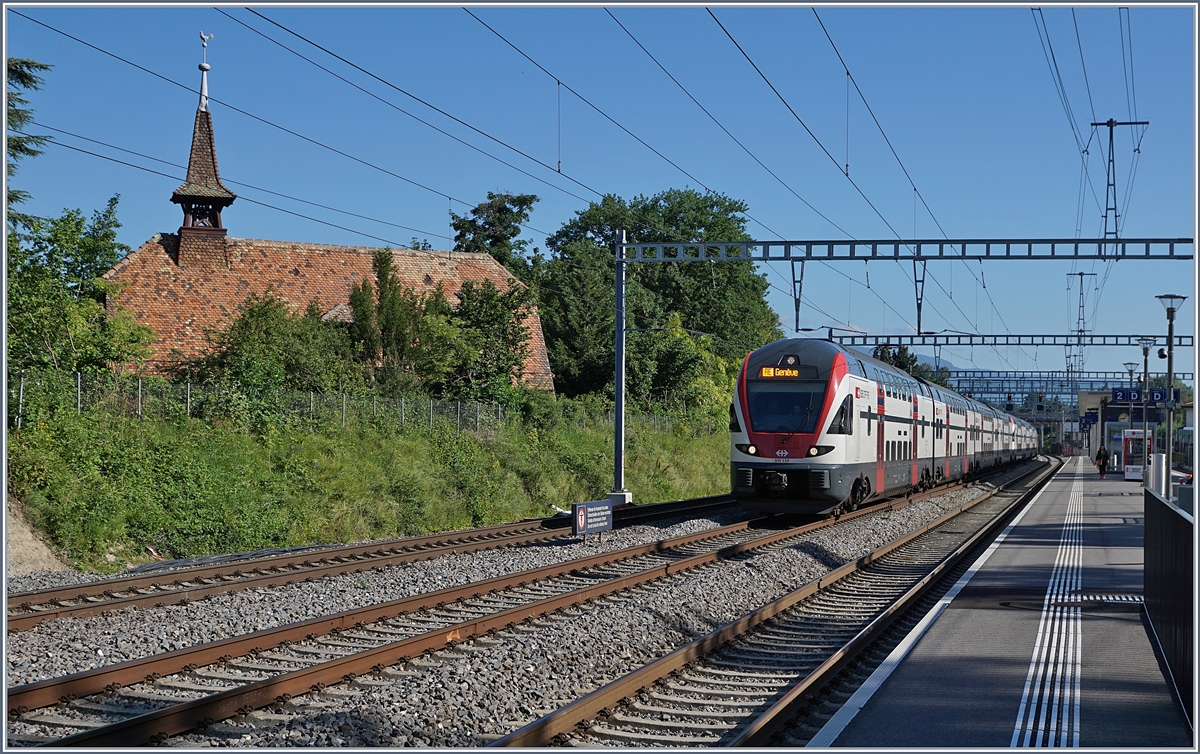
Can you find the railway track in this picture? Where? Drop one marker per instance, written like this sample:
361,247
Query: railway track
295,666
752,681
183,585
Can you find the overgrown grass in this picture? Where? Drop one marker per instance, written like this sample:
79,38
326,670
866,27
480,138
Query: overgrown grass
104,488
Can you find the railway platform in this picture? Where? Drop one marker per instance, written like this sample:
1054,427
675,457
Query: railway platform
1045,644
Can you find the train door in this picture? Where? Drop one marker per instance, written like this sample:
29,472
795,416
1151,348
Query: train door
859,405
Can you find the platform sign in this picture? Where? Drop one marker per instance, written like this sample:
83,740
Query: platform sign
1134,395
1159,395
1091,417
589,517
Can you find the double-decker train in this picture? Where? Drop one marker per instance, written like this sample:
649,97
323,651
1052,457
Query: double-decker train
820,428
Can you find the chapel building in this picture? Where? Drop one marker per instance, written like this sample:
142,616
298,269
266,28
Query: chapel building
186,283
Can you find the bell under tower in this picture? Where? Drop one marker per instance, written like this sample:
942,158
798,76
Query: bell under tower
202,196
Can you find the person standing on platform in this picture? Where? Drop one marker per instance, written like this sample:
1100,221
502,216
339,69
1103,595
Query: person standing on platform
1102,460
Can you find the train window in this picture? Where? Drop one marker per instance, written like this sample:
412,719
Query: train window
734,426
784,406
843,423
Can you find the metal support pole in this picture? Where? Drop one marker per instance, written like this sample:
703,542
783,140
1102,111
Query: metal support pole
20,400
797,289
189,399
1145,422
619,367
1170,397
919,285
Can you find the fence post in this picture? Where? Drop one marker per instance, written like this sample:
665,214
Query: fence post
139,397
459,407
476,416
78,393
374,406
431,412
343,410
189,399
20,400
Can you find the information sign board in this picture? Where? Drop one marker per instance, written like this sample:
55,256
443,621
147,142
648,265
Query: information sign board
1134,395
1159,395
593,516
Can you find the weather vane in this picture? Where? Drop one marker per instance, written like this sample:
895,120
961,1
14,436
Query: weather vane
204,43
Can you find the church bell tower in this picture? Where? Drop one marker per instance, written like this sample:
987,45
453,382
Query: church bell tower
202,196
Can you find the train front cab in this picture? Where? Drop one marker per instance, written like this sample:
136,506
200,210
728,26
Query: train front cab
801,434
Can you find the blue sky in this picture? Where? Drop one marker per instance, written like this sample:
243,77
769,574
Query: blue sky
965,96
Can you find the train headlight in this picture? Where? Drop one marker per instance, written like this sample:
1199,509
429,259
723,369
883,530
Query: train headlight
747,449
819,450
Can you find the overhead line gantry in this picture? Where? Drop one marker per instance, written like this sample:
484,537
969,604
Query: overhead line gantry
918,251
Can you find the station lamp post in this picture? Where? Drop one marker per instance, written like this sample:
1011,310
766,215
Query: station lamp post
1131,367
1145,343
1171,302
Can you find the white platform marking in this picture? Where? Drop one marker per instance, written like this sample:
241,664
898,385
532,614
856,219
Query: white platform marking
1052,683
841,719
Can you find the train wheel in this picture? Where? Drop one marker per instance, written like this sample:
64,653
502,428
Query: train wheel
858,494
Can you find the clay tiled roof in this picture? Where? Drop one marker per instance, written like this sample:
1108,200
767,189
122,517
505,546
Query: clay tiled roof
203,179
182,303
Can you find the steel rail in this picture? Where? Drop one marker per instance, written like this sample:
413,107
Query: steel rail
307,566
22,699
38,694
544,730
772,720
155,726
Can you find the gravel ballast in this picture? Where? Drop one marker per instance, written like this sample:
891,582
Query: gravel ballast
488,687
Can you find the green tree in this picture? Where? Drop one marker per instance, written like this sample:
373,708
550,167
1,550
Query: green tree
56,297
724,299
497,339
404,340
898,356
268,347
22,76
494,228
939,376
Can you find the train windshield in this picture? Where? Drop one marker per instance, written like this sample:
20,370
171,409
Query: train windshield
784,406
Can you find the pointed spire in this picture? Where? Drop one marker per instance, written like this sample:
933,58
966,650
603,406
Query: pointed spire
204,69
202,190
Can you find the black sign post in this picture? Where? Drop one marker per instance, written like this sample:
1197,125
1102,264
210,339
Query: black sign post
595,516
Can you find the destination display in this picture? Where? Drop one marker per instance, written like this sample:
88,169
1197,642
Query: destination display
777,372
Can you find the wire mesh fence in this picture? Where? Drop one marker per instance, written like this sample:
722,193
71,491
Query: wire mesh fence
38,396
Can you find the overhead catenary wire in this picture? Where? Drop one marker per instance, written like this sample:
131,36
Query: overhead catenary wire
270,123
754,157
916,192
833,159
240,183
557,169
